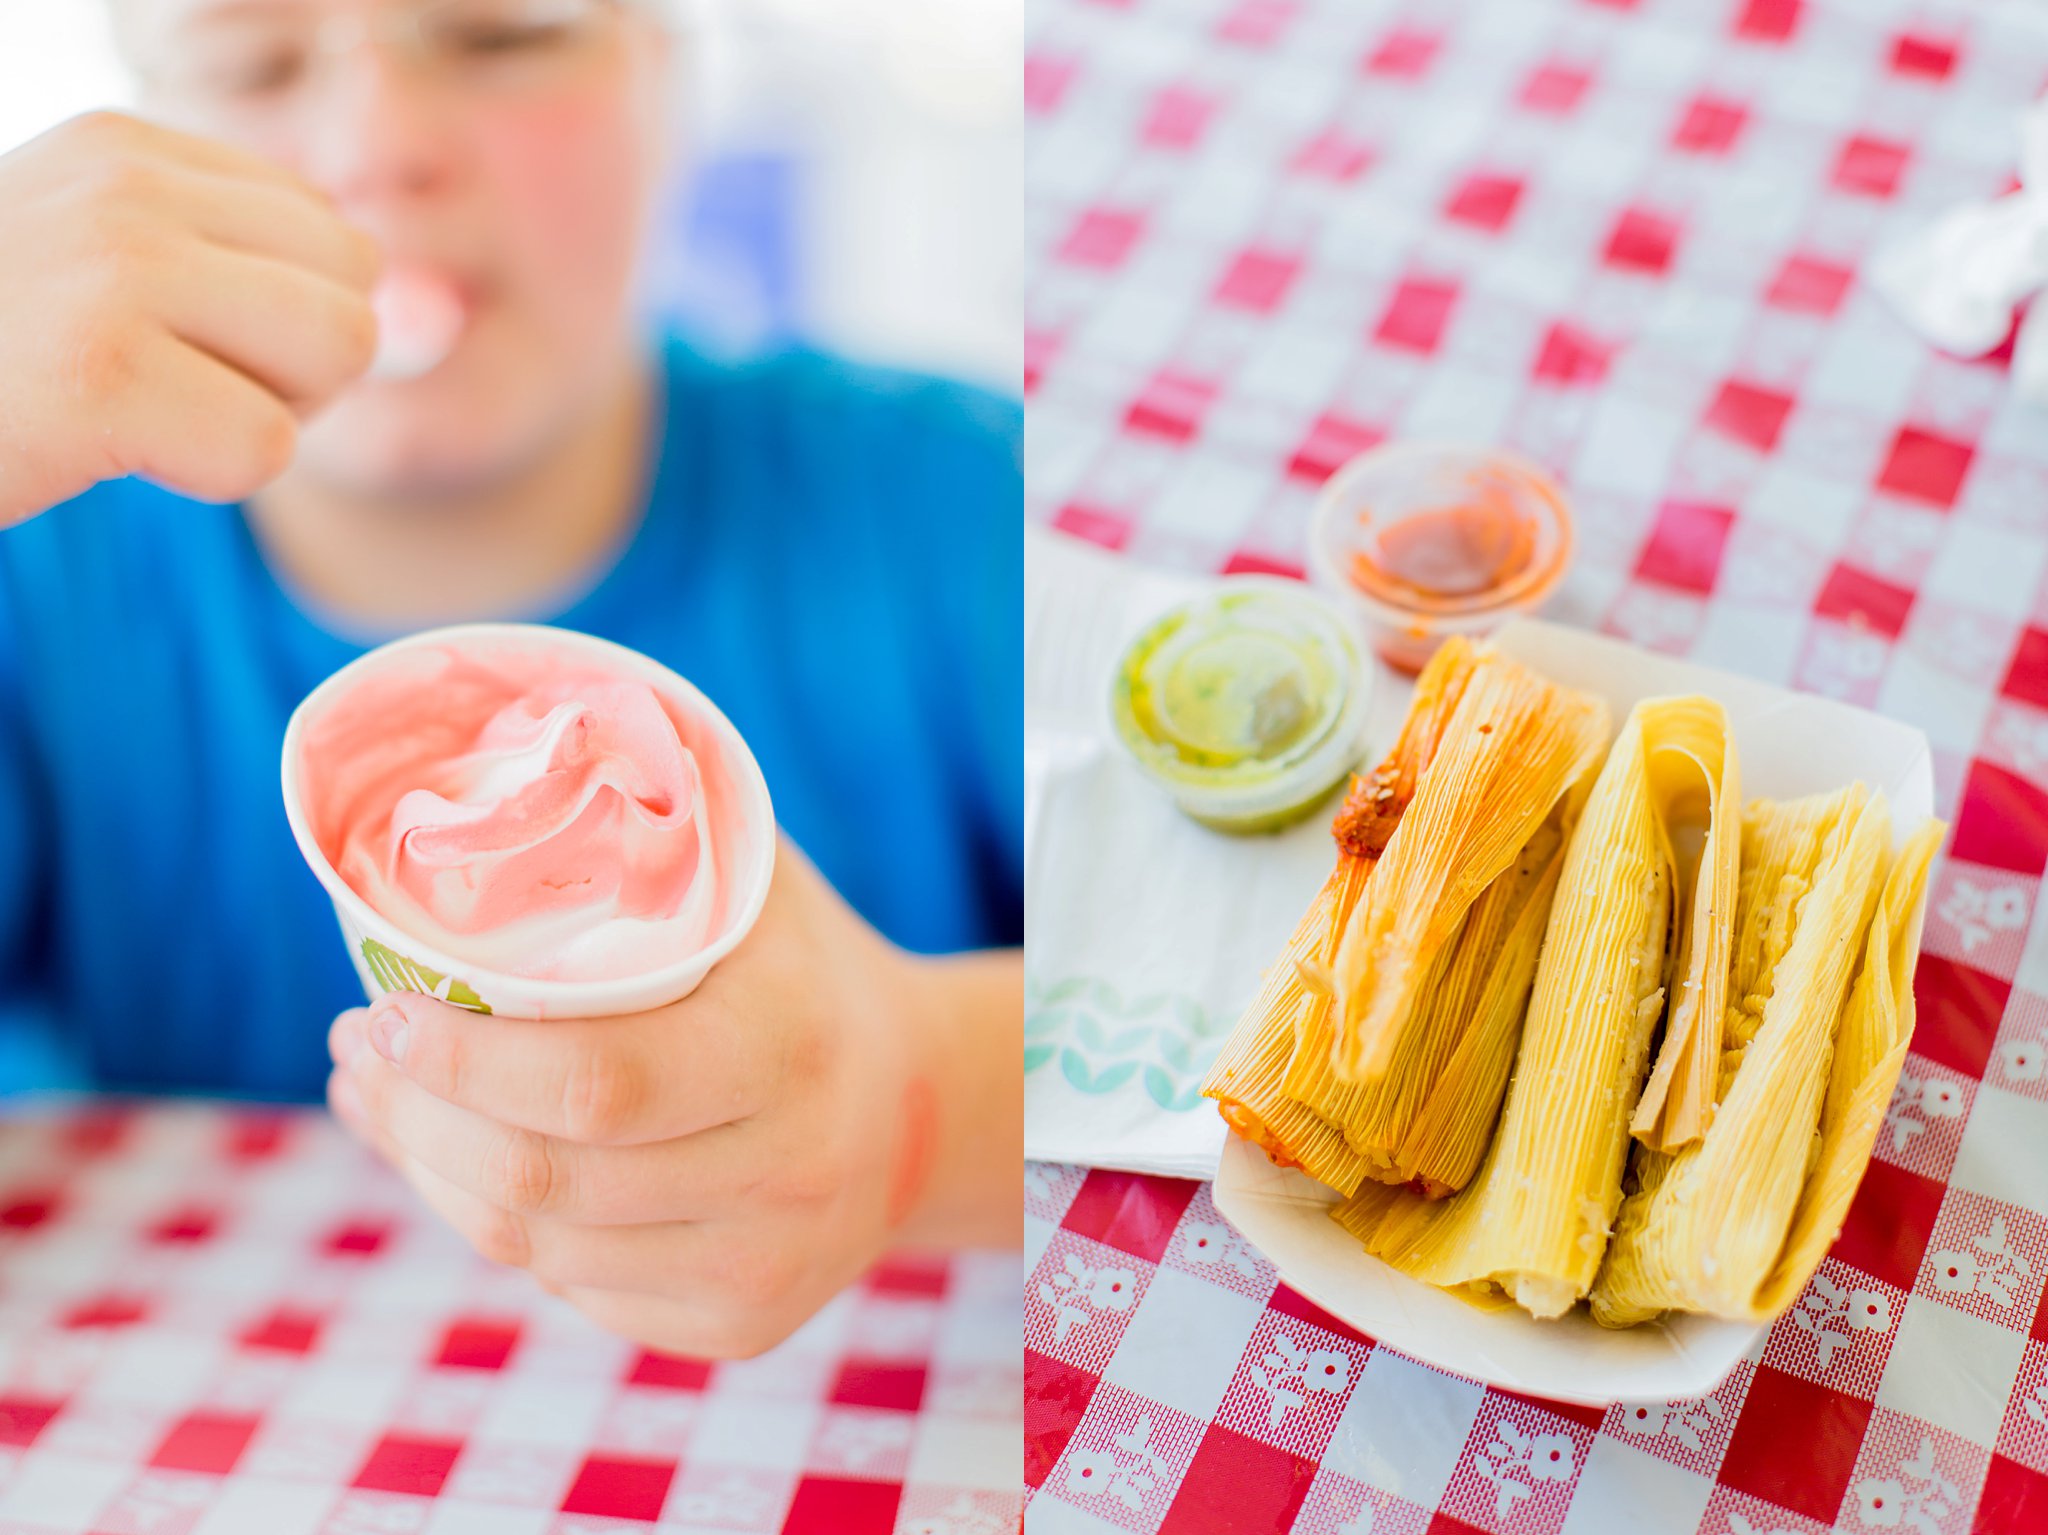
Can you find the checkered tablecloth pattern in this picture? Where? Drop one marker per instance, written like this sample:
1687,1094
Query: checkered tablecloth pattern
235,1321
1621,239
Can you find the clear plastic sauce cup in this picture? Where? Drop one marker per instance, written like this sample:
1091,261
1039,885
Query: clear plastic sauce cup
1246,704
1421,541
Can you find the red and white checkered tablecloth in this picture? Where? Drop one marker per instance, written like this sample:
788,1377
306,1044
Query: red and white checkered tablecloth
235,1321
1620,237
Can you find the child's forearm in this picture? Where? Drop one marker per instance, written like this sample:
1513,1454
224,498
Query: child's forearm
972,1023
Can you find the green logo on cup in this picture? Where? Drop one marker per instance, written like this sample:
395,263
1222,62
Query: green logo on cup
394,972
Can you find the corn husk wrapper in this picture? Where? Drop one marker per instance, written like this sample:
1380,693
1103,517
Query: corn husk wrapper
1515,746
1294,1000
1705,848
1247,1076
1483,732
1532,1226
1425,1121
1877,1028
1707,1229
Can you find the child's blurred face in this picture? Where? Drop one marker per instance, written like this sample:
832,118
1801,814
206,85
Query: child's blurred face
508,151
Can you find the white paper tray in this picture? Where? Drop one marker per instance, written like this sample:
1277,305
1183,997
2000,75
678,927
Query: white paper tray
1790,744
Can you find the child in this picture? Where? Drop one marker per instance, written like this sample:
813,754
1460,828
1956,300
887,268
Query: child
189,307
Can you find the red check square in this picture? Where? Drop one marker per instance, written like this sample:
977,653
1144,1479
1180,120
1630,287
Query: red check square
1870,166
22,1418
404,1463
826,1505
1750,414
670,1371
1795,1443
2027,677
1046,80
1888,1226
1331,444
909,1274
1927,57
1685,546
1403,53
1810,285
1554,88
1179,118
1237,1486
1768,21
879,1383
621,1487
477,1345
1709,126
2002,821
1417,314
1333,155
1572,356
1133,1212
285,1330
1102,237
1959,1007
357,1238
105,1311
205,1441
1926,466
1484,201
1107,529
1258,280
1642,241
2015,1497
28,1210
254,1137
1257,23
1857,597
1247,562
1171,405
1056,1395
183,1226
98,1131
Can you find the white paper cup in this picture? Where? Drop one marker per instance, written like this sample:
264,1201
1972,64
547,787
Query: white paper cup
387,958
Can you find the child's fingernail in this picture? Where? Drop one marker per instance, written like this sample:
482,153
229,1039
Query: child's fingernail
390,1032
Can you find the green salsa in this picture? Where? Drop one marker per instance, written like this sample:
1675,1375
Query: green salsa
1235,703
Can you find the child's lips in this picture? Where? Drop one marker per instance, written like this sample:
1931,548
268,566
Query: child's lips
421,316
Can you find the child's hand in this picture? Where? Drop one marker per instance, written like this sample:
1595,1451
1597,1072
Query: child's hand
169,307
705,1176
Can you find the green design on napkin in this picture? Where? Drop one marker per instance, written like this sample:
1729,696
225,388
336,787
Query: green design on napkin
394,972
1099,1040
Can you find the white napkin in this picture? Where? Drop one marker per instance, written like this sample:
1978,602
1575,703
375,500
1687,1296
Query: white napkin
1148,933
1958,281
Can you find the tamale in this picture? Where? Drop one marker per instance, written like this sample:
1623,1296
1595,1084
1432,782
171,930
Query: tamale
1425,1121
1706,1228
1515,746
1293,1003
1533,1224
1677,1102
1876,1028
1247,1076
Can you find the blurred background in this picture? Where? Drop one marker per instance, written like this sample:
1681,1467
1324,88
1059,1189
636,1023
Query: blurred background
852,176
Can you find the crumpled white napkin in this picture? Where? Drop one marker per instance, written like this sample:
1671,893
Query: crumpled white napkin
1148,933
1958,281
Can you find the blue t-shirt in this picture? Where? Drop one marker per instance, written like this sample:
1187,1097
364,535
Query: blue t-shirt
832,554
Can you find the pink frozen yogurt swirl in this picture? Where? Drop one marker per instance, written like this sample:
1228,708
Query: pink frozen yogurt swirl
532,815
